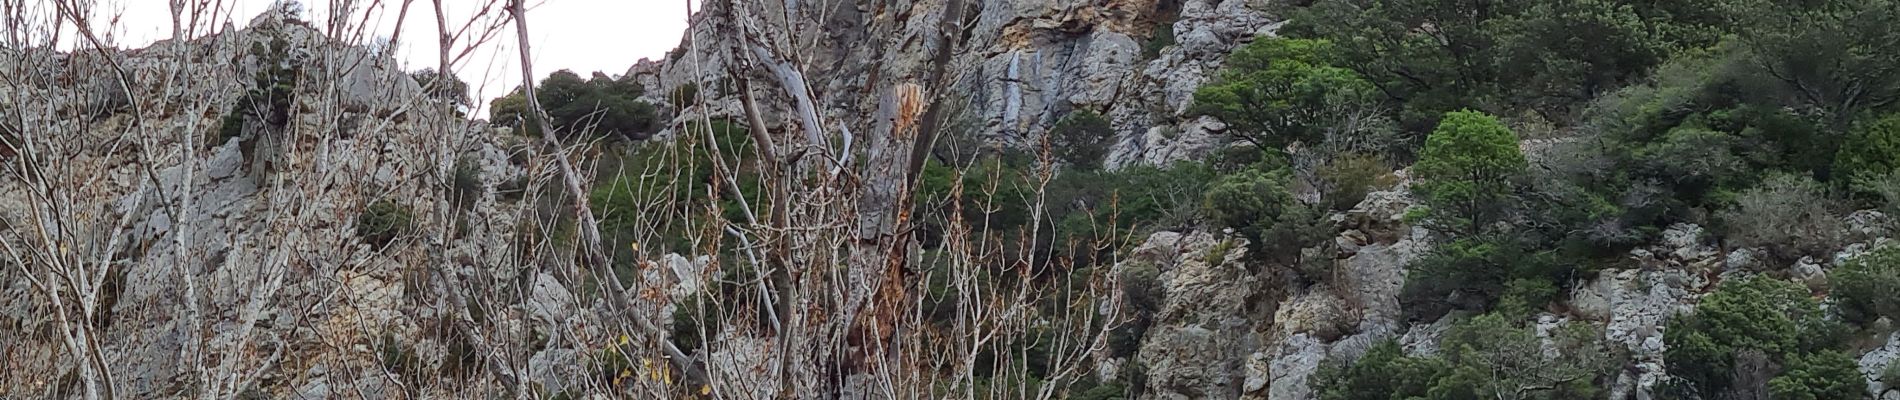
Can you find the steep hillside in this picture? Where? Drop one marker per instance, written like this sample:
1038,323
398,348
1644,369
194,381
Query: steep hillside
977,199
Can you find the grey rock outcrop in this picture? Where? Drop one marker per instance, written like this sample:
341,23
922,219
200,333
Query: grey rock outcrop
225,265
1029,63
1633,304
1205,327
1879,361
1231,329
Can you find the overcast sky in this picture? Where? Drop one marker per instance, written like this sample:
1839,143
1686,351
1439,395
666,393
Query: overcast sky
581,35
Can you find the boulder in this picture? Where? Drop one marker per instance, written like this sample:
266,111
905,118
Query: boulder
1634,305
1294,361
1879,361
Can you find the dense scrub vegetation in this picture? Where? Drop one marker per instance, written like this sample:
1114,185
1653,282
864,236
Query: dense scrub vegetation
1766,120
601,105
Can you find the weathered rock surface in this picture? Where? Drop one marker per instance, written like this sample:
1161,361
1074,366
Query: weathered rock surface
1634,304
1204,329
1877,362
1030,62
261,273
1230,329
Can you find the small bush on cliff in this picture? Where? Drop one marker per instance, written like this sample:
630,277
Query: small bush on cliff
1257,205
1345,180
1488,356
232,125
1790,215
1081,139
1891,377
684,96
1827,374
1242,200
1863,290
1385,372
1162,38
1776,318
1875,150
1275,92
382,222
467,181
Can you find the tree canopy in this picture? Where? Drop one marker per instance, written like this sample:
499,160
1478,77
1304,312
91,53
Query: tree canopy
601,106
1466,169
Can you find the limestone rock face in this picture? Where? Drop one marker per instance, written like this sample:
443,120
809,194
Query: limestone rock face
1877,362
225,264
1235,328
1029,63
1204,329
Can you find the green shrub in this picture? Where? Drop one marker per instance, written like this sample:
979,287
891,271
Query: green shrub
600,106
1241,201
1790,215
1501,272
467,181
1081,139
274,86
1526,297
1274,92
1875,149
1384,372
232,125
1698,160
1162,38
1436,56
1485,357
1881,190
1775,317
511,110
1152,198
1863,290
382,222
675,176
1111,390
1217,255
1826,374
688,322
1493,357
1346,179
1257,206
1468,266
1467,169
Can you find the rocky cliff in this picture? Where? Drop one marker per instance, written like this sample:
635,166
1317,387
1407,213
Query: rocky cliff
1023,65
239,266
230,263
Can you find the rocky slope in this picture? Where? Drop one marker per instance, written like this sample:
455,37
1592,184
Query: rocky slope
1229,329
1028,62
274,281
238,268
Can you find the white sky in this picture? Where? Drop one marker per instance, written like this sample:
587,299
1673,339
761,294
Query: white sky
581,35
